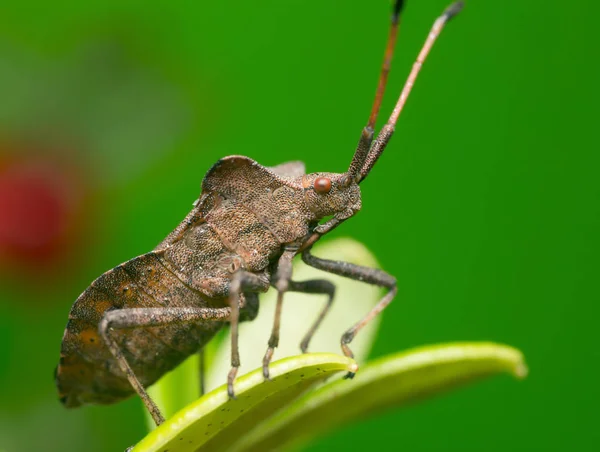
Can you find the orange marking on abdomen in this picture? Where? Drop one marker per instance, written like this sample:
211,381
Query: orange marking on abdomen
90,336
102,306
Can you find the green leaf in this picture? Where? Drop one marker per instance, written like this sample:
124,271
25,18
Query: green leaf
393,381
282,414
214,421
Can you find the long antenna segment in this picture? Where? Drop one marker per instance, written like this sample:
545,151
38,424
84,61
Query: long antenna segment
366,155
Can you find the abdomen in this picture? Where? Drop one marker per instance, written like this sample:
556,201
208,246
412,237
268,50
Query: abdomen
192,267
87,372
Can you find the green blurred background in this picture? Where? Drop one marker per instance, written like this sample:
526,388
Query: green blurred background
485,205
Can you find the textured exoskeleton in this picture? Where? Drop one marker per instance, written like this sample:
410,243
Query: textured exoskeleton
246,215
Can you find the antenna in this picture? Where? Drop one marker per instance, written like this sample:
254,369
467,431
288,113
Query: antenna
386,132
367,134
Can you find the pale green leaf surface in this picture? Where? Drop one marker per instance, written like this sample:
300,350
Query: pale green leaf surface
214,421
392,381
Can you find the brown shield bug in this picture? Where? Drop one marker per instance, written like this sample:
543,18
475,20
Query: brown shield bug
144,317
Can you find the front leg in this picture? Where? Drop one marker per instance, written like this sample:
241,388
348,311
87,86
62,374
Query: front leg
334,222
323,228
359,273
281,282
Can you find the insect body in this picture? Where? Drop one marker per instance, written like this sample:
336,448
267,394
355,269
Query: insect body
142,318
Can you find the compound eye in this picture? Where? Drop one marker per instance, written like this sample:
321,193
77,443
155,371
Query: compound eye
322,185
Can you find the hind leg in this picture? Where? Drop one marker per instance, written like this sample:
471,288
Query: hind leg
150,317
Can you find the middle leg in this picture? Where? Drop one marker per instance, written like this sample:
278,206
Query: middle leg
314,286
201,369
281,281
242,281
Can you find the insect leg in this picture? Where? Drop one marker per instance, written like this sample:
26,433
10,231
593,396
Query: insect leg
150,317
281,282
242,281
314,286
201,369
359,273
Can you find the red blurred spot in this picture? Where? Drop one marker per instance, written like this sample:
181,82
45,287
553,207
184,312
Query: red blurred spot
39,207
